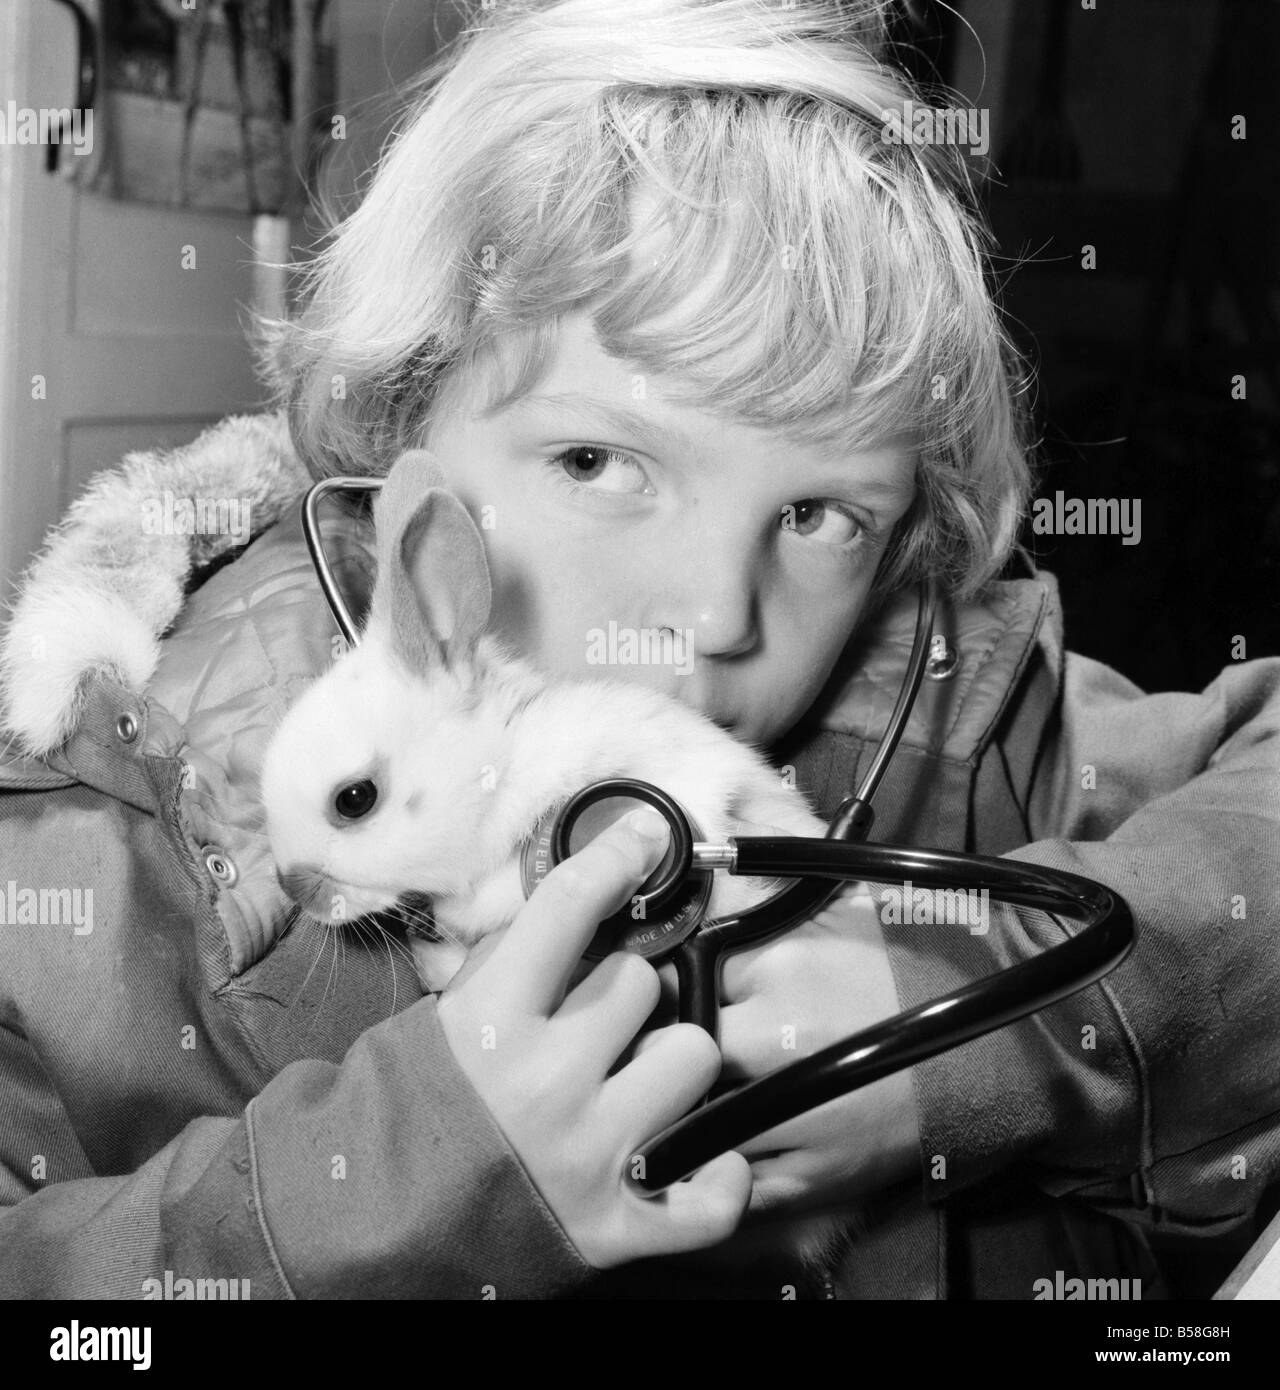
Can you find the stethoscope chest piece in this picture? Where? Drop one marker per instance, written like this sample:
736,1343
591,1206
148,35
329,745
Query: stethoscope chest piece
668,906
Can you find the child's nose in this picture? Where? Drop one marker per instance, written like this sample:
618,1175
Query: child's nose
709,592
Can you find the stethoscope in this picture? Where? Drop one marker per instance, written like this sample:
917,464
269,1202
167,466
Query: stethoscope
665,920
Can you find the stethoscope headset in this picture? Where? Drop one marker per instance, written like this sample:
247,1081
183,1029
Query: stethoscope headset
665,919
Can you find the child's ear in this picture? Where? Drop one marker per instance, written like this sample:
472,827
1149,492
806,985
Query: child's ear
432,591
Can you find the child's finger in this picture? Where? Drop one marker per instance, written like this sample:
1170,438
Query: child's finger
655,1088
749,1045
536,956
670,991
852,914
603,1014
647,1041
779,1182
702,1211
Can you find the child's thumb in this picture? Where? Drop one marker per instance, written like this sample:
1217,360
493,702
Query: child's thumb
701,1211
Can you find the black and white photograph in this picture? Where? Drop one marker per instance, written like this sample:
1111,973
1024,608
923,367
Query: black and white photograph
640,661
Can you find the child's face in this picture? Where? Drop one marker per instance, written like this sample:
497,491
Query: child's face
757,552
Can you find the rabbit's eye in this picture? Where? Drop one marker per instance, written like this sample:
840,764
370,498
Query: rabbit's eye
356,800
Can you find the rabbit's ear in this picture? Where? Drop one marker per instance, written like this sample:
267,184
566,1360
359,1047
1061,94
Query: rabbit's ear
409,480
432,589
443,561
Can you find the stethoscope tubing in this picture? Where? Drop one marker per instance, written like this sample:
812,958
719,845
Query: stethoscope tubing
821,865
916,1034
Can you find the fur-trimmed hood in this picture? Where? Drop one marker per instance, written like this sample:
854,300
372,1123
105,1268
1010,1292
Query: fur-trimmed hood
112,577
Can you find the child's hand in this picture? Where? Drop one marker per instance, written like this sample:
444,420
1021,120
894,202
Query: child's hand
540,1060
817,984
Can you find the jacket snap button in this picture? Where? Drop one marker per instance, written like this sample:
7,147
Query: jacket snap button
221,866
944,660
127,728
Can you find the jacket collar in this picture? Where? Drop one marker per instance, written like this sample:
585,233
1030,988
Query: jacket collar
981,650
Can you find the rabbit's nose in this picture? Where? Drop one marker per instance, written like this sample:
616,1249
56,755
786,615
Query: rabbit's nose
304,883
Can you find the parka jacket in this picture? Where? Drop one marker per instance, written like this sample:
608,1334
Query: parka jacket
193,1087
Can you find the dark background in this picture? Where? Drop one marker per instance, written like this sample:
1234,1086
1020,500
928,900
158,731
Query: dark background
1115,130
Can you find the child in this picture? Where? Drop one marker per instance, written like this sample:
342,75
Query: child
704,350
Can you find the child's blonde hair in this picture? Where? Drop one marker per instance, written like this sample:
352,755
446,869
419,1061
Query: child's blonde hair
850,309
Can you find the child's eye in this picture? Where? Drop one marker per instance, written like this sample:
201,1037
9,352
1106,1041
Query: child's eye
595,469
821,519
600,469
